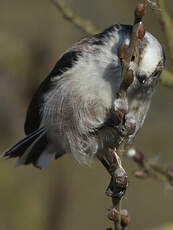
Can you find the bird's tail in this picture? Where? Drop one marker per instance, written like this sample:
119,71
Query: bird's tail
34,149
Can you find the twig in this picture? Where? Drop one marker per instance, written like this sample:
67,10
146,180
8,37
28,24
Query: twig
138,32
118,183
167,23
149,169
119,178
84,25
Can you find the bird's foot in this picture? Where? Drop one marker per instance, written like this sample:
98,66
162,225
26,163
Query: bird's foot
128,127
117,188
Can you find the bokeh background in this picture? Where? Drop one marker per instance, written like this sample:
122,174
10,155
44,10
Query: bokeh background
67,196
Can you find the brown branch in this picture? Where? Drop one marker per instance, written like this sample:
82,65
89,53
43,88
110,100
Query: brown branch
119,179
116,189
137,34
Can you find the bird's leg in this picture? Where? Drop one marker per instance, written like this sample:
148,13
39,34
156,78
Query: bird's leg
124,123
116,188
106,165
128,127
118,183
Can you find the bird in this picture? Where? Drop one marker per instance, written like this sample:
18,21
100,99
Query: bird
73,109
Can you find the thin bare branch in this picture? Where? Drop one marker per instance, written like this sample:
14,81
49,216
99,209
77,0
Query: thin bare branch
167,23
137,34
150,168
84,25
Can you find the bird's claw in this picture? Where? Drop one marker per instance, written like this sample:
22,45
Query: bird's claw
128,127
117,187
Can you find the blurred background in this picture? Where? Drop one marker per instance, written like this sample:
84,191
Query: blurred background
67,196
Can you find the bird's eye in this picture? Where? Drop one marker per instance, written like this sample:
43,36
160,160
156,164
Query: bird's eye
142,78
133,57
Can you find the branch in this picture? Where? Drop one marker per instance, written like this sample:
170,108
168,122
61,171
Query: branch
118,183
150,169
138,33
167,23
84,25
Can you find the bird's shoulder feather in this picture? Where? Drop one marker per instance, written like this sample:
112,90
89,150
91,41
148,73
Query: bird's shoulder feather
34,114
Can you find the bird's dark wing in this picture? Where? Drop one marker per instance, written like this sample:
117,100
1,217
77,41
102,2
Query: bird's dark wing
34,115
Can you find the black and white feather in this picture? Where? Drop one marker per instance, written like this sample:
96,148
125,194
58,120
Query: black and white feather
74,103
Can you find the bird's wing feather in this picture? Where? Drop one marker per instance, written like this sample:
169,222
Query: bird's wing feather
34,114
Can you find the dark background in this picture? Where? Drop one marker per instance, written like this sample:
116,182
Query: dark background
67,196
